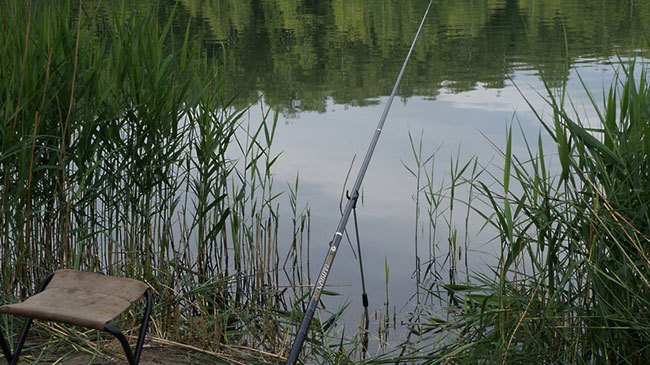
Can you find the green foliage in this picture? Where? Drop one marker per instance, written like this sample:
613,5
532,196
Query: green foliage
572,282
119,155
349,51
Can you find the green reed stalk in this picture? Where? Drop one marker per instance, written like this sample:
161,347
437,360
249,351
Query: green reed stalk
118,156
572,283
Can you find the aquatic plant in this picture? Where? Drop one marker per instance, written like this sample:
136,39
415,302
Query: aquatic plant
571,285
121,152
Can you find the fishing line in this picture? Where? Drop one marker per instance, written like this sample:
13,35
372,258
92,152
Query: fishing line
347,196
364,295
336,240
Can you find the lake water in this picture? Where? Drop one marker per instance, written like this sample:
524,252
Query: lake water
327,68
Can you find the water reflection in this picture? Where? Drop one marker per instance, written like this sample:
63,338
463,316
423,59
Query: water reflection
456,126
349,50
328,65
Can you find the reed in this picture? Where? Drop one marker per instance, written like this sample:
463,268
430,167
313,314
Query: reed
122,153
571,284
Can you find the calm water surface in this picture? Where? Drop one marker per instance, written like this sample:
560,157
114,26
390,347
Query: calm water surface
327,67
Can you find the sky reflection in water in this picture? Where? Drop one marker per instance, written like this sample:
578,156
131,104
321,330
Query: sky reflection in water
327,67
320,147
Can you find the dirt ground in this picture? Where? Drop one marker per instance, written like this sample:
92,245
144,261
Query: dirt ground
155,352
150,356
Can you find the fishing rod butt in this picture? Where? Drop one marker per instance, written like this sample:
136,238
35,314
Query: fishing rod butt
292,359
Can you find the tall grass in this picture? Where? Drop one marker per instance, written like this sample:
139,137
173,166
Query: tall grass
122,153
572,282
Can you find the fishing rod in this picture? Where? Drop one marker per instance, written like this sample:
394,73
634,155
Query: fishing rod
352,201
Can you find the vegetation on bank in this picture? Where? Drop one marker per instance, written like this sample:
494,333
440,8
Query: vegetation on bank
122,153
572,280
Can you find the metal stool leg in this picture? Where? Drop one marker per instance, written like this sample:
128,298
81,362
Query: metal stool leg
5,347
21,341
143,327
133,357
125,344
13,359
